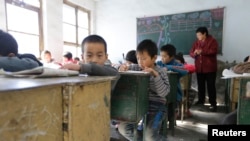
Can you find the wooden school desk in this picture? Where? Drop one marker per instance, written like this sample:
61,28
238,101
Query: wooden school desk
55,109
129,101
243,113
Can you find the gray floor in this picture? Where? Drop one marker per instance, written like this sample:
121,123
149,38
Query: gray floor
193,128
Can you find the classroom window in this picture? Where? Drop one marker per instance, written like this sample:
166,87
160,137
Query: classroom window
75,27
27,31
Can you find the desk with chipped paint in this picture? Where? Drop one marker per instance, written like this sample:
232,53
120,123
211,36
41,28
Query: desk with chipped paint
55,109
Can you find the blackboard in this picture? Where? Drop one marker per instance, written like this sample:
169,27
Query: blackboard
179,29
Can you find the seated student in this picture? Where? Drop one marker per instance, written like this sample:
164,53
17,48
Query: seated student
231,118
46,57
94,50
67,58
10,60
130,58
169,62
158,90
189,67
48,61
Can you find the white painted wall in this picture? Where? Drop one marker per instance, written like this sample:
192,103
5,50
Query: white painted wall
53,30
116,22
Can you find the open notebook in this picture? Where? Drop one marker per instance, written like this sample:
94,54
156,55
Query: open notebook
42,71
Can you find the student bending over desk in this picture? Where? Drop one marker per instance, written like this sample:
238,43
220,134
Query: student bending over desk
10,60
159,88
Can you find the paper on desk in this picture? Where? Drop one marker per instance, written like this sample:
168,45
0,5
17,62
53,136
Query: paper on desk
228,73
39,72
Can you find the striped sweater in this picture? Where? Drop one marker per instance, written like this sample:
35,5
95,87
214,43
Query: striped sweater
159,86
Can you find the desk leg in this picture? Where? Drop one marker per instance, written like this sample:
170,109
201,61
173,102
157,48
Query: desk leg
171,116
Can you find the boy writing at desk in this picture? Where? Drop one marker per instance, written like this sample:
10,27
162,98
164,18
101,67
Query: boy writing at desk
94,50
159,87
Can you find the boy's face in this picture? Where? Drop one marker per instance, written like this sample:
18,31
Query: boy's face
144,60
94,53
165,58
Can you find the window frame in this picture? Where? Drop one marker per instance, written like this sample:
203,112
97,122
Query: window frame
40,20
77,8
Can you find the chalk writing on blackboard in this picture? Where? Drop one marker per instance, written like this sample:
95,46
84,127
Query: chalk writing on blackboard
179,29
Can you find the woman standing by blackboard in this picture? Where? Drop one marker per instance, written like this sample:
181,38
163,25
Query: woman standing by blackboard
204,51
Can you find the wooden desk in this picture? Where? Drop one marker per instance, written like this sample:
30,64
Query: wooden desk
232,92
55,109
243,113
129,101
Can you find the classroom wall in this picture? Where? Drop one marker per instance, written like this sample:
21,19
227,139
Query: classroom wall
52,23
53,30
116,22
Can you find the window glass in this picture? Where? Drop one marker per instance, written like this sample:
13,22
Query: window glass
83,19
69,33
69,15
27,43
28,23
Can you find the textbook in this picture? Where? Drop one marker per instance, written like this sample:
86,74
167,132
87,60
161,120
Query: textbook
39,72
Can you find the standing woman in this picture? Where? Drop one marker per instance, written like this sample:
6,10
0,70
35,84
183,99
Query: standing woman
204,51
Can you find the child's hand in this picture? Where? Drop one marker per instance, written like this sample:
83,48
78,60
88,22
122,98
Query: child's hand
123,67
71,66
151,71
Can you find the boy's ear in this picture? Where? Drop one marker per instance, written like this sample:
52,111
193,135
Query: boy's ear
11,55
155,57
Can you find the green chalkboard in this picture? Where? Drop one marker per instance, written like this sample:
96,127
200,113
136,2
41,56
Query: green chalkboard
179,29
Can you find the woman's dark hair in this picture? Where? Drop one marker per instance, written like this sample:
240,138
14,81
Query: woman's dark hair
202,30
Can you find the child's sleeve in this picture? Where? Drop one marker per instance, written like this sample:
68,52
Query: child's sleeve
98,70
179,69
162,83
14,64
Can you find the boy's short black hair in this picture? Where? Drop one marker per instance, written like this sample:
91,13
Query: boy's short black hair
68,55
148,46
8,44
94,39
169,49
131,56
202,30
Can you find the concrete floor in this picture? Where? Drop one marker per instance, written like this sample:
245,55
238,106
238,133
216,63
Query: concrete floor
193,128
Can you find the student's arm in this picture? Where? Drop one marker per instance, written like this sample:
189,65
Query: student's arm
14,64
179,69
161,83
94,69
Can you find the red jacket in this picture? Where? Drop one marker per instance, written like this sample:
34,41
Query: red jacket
207,61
